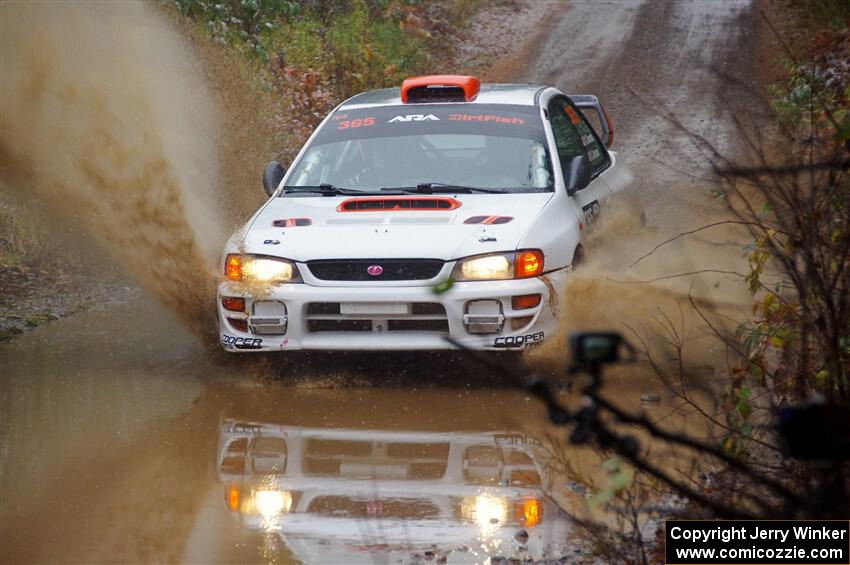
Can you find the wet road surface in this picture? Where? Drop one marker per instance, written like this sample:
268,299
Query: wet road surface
692,59
123,440
125,445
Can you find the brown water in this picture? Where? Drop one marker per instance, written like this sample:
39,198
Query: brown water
122,442
110,122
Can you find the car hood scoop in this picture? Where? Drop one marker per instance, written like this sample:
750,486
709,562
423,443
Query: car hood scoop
398,204
380,220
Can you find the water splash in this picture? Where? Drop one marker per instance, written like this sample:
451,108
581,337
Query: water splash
106,111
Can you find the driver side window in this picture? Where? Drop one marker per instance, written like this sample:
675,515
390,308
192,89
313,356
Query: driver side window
574,136
564,119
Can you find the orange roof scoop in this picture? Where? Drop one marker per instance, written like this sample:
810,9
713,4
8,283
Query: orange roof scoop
440,88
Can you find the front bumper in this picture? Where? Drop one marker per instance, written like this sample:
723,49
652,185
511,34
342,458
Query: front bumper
313,318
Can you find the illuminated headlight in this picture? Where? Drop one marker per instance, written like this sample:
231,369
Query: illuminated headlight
259,269
488,267
270,503
500,266
268,270
487,511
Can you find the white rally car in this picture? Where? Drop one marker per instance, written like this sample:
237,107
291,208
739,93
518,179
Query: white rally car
446,208
366,496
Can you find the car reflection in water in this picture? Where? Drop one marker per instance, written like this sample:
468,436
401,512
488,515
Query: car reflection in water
339,495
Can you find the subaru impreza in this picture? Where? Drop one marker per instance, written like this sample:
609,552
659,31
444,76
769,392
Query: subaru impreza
445,208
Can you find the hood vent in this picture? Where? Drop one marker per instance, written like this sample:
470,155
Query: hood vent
489,220
399,204
292,222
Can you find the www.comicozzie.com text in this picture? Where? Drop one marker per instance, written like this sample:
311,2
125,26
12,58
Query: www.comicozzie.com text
758,532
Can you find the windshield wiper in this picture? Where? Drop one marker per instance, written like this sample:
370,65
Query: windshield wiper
440,187
325,189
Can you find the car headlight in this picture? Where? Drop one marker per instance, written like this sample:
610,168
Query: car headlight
487,511
271,503
259,269
500,266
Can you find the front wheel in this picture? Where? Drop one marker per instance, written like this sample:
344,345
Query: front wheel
578,257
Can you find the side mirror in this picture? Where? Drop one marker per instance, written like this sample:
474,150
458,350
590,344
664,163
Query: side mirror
272,176
577,174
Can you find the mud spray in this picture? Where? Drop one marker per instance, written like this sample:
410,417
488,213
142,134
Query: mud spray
683,295
151,138
108,113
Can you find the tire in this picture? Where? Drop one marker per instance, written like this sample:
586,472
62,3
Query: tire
578,256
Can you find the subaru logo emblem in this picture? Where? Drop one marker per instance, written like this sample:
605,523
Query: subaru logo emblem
375,270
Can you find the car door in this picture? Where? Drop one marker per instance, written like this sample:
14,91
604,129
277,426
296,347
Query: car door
574,137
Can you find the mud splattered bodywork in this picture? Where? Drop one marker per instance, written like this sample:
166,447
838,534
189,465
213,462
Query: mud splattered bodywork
446,209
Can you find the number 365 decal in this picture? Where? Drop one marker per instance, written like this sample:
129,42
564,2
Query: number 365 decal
356,123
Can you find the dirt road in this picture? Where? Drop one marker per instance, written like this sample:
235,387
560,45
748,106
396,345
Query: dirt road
123,440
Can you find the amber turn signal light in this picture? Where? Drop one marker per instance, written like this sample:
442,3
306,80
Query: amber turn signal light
231,496
521,322
528,263
529,512
233,303
233,267
238,324
522,302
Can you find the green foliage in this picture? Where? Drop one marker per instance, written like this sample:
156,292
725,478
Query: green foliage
758,258
299,44
442,286
620,477
793,344
739,410
463,10
365,52
34,320
20,237
803,98
816,90
308,55
351,45
826,12
240,23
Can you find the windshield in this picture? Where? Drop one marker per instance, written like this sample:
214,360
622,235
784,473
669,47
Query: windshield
397,147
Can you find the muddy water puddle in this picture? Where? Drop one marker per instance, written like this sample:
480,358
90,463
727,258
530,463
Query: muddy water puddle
77,387
359,474
123,440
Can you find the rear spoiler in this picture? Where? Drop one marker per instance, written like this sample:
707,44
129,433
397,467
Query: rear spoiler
590,102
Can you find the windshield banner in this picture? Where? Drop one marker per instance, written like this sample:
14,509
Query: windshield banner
428,119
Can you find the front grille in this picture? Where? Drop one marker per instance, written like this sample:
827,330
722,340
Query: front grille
422,317
339,325
340,506
383,269
418,325
323,308
427,309
399,460
416,308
